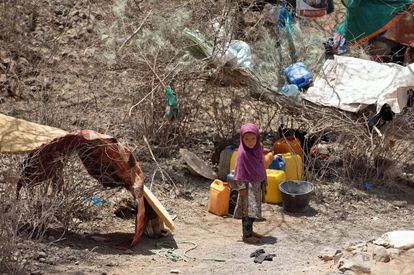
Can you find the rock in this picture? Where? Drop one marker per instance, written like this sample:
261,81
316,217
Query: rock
328,254
401,266
41,254
397,239
410,252
41,260
381,254
360,262
393,252
337,257
352,246
400,204
175,271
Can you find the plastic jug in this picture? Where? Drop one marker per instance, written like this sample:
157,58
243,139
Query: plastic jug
294,167
298,74
288,144
233,160
219,198
224,163
278,163
274,178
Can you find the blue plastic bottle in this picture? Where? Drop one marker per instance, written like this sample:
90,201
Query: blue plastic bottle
278,163
298,74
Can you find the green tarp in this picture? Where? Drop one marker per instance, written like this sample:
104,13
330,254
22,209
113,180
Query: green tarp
365,17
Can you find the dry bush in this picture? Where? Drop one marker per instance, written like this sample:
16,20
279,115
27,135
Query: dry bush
9,224
36,212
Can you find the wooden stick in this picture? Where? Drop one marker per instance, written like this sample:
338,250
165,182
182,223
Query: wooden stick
135,33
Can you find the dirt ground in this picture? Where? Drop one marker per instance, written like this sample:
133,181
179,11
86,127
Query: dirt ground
338,215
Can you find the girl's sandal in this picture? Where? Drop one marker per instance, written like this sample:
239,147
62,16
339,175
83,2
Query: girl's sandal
251,240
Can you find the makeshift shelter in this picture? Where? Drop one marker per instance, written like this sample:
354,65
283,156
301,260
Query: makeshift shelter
105,159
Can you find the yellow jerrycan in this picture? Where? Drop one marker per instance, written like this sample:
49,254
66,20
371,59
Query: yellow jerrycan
293,167
219,198
233,160
274,178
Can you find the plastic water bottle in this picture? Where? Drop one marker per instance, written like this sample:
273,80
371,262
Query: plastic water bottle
290,90
278,163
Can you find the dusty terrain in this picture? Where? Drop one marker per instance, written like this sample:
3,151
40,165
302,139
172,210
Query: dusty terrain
70,76
338,215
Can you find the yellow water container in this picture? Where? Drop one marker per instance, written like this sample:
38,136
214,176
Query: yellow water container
268,158
293,166
274,178
219,198
233,160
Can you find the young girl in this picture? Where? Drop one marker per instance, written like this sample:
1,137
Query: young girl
250,179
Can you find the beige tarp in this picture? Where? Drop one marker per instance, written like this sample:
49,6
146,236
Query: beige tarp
19,136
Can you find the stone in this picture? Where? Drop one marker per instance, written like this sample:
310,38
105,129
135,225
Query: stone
358,263
397,239
328,254
175,271
400,204
410,252
393,252
351,246
381,254
337,257
41,254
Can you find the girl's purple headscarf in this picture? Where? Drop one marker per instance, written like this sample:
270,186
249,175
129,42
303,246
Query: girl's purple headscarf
249,162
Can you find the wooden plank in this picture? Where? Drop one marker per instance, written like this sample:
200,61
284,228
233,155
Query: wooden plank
159,208
21,136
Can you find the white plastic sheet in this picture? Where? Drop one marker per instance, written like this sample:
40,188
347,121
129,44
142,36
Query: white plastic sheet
352,84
